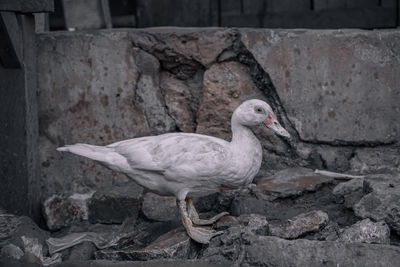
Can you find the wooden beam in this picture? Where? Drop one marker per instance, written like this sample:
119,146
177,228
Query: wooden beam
10,41
27,6
105,7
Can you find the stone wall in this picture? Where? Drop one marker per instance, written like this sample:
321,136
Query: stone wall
337,93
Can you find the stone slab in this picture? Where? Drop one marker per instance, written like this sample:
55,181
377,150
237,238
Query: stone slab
291,182
335,85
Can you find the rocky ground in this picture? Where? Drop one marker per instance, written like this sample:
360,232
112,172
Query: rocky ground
294,217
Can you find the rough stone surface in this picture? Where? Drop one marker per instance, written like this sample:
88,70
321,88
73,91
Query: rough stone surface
13,227
82,252
11,251
160,208
290,182
383,200
60,211
174,244
301,224
114,204
179,100
148,93
152,263
376,160
229,245
273,251
350,192
120,84
326,70
366,231
226,85
87,87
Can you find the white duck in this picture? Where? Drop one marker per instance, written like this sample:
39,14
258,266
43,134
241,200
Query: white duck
186,165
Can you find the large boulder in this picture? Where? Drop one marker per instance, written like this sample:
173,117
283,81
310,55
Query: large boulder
327,70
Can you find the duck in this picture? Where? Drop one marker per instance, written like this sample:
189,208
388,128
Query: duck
188,165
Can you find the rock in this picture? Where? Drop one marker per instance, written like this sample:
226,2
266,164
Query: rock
226,85
174,47
12,251
335,158
349,192
290,182
274,251
376,160
226,222
115,204
366,231
13,227
174,244
82,252
300,225
179,101
383,201
152,263
230,245
149,96
60,211
95,105
340,62
160,208
329,233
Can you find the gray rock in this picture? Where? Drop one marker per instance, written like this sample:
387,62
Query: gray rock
82,252
149,96
274,251
226,85
290,182
174,244
152,263
366,231
179,101
376,160
12,251
350,192
383,201
60,211
115,204
160,208
301,224
230,245
340,63
95,105
13,227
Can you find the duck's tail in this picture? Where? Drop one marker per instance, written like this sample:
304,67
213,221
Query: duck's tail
98,153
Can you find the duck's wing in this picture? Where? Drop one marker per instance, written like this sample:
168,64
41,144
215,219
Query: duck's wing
176,155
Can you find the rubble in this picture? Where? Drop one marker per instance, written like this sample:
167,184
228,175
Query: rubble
350,192
301,224
382,201
60,211
174,244
366,231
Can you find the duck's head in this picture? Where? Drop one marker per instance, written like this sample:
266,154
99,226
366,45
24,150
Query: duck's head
255,112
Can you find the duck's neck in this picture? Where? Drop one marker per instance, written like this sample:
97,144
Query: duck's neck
242,134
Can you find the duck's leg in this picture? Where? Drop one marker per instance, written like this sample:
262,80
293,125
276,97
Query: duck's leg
194,216
199,234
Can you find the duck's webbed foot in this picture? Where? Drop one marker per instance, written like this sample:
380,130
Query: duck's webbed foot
194,216
199,234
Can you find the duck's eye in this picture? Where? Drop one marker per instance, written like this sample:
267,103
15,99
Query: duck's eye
259,110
